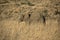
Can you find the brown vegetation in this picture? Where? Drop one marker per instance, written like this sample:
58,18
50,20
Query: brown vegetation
29,19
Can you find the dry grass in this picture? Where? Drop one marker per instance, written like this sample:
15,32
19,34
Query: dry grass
29,20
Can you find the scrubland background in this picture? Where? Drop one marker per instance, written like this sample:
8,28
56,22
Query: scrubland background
29,19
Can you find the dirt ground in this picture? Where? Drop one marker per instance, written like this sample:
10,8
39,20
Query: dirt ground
29,19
